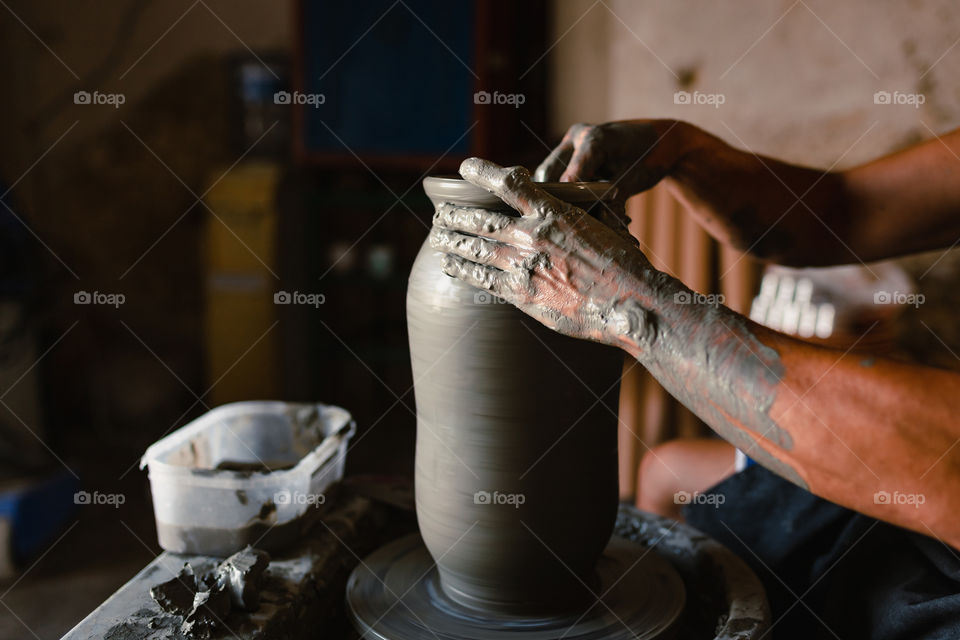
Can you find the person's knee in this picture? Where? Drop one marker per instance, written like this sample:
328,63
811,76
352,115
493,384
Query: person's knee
687,465
661,475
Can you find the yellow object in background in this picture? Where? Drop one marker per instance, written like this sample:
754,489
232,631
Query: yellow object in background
242,350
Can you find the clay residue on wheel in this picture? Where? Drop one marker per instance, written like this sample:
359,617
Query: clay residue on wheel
636,595
725,599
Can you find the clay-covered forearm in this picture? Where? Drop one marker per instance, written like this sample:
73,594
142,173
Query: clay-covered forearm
712,360
874,435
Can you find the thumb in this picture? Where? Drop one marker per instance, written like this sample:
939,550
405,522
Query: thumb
584,164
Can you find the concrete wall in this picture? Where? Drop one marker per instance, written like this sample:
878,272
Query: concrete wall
798,76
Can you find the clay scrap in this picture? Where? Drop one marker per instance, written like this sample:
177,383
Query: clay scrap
204,600
241,574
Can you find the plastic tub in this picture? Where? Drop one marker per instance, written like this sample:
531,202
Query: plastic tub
246,473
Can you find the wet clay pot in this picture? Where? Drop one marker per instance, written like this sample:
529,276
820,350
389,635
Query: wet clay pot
516,462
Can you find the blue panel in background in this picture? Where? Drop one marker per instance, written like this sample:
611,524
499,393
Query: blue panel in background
37,510
398,90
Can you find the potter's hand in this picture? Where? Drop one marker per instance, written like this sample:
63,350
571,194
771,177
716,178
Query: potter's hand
555,262
633,154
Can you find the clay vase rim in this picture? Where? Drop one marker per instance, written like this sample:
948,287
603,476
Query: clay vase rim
459,191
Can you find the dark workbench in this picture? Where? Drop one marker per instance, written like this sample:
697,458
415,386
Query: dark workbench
302,595
302,589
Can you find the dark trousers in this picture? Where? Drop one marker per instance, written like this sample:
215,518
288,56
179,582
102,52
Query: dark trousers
831,572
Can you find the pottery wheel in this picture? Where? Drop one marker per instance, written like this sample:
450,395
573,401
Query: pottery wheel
395,594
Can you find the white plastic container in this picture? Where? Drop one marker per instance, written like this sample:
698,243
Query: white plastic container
246,473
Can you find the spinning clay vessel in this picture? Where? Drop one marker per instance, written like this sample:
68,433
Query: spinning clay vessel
516,462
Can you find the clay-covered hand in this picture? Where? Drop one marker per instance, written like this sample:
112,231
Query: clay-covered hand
555,262
633,154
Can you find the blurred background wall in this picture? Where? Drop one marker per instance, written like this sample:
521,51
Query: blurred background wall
798,77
